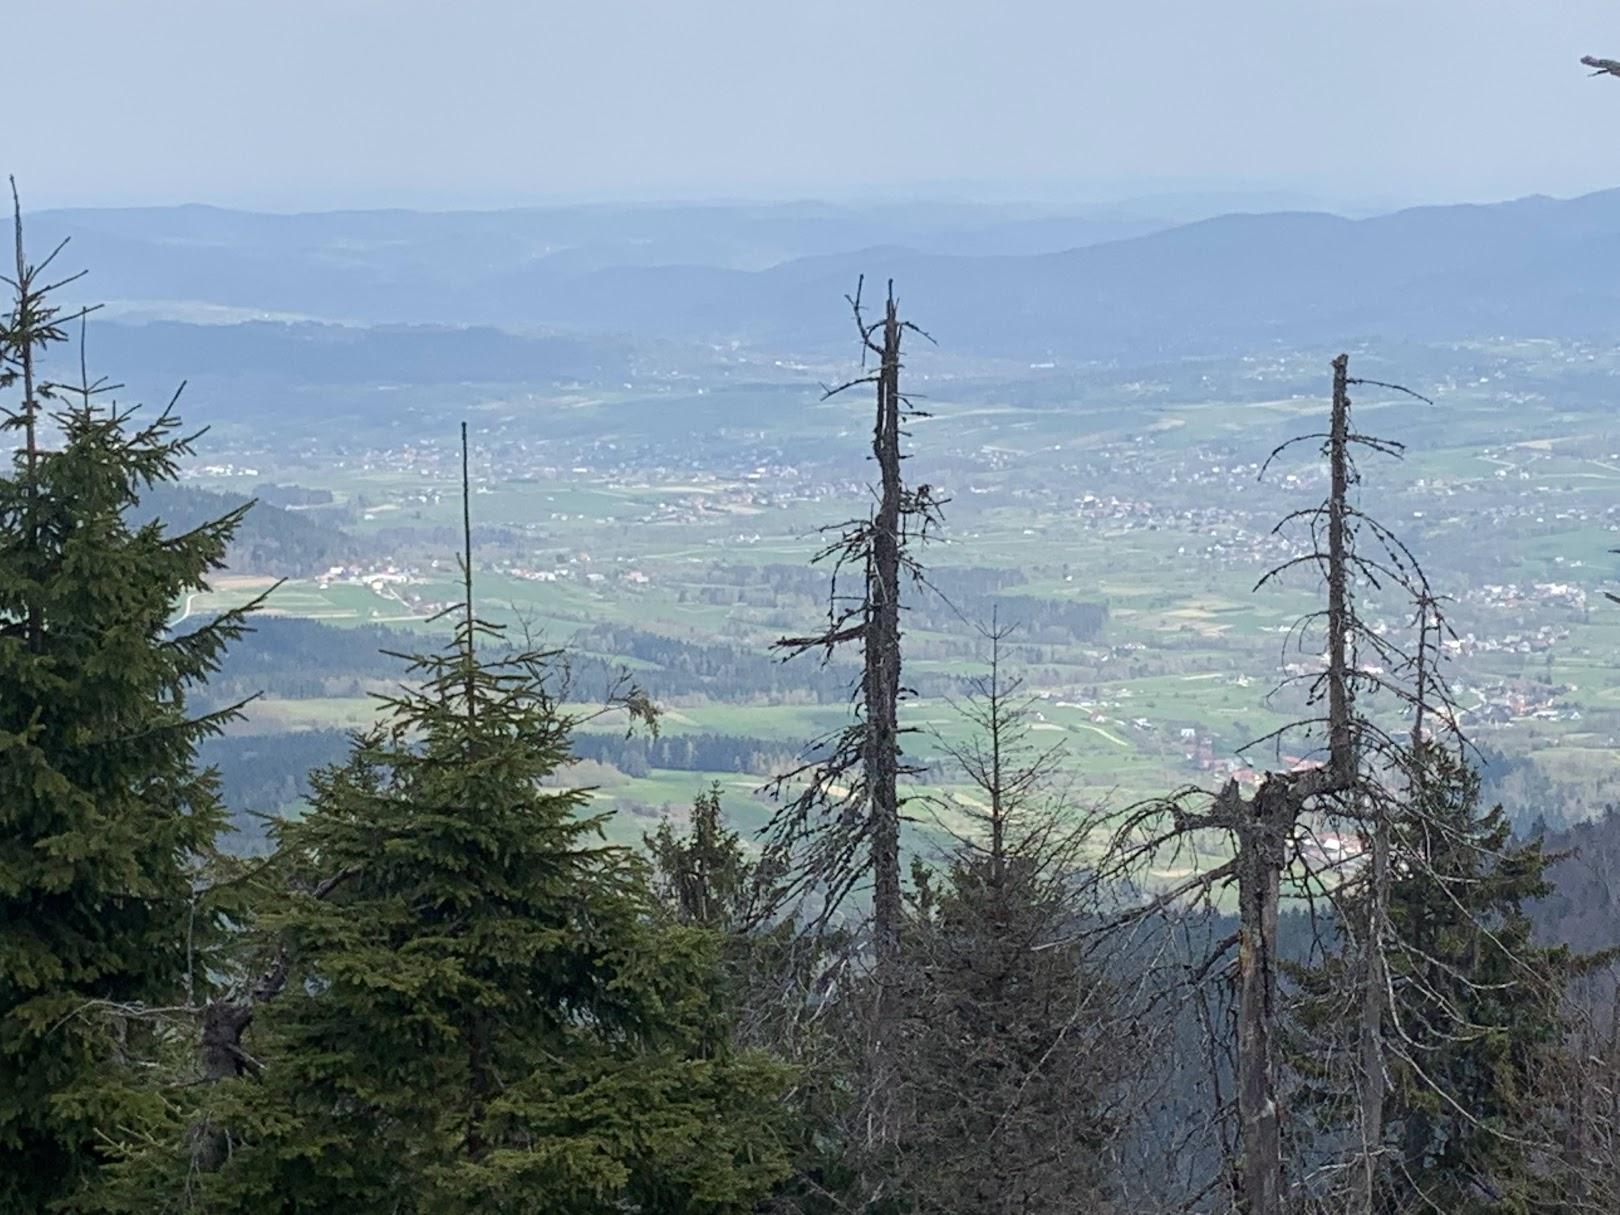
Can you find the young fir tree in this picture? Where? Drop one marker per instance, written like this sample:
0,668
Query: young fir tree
1474,1022
774,991
706,877
1010,1068
104,814
477,1010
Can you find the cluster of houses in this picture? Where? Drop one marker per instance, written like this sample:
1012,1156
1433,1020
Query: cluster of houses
1536,641
1566,595
387,581
1503,704
377,577
211,471
576,569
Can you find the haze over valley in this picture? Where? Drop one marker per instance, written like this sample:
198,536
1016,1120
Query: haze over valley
653,457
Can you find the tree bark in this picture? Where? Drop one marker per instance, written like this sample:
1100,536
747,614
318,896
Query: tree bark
1371,1079
1262,830
1341,757
882,673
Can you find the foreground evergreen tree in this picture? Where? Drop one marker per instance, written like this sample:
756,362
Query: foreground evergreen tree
782,990
1010,1073
706,879
1474,1023
104,815
473,1006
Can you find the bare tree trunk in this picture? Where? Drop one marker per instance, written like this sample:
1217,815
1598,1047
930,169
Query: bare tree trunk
843,825
998,807
1341,757
1370,1077
882,643
468,619
24,339
1263,827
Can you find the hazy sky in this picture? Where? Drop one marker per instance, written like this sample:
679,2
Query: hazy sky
321,103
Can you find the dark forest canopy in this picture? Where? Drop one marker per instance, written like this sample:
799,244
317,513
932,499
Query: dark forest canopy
271,540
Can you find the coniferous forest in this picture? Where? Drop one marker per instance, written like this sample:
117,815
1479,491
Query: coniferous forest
933,980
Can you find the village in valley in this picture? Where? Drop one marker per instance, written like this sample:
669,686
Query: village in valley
1165,514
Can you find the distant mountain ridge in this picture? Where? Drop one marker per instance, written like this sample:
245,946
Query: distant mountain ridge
407,266
369,356
1531,267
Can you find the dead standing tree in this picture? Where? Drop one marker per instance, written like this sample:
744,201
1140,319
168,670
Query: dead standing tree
1267,828
842,822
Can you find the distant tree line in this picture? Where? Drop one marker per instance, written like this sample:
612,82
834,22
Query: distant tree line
262,774
288,496
300,659
638,755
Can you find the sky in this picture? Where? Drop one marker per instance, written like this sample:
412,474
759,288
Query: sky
320,104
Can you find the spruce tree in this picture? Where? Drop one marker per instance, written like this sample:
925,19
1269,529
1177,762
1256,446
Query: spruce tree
783,990
105,816
1009,1076
706,877
1474,1019
477,1008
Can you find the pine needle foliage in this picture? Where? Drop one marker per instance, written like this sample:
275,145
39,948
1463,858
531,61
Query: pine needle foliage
785,991
106,819
1009,1025
1474,1020
482,1012
705,876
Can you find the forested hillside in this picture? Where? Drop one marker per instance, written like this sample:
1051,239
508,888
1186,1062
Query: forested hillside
271,540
